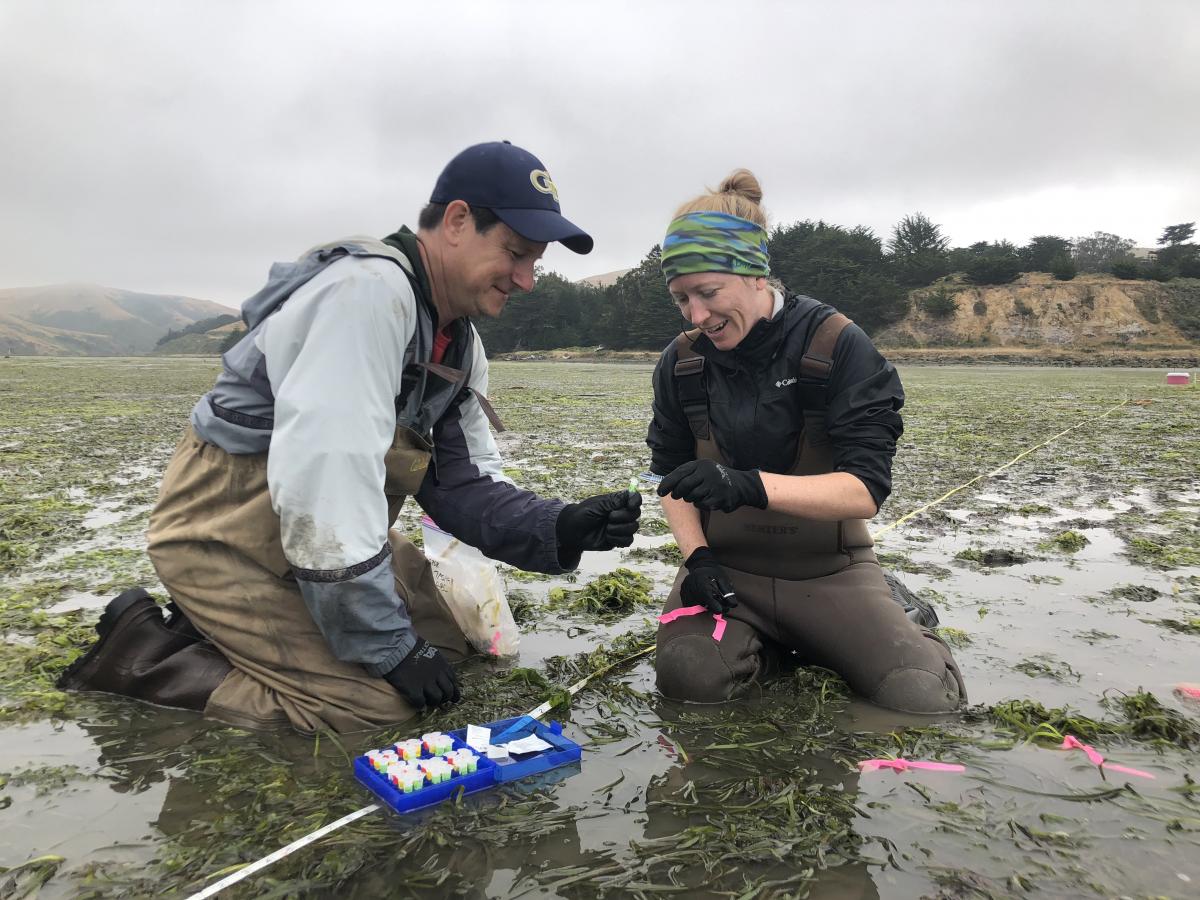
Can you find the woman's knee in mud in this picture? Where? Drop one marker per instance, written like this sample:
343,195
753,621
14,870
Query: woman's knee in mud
919,691
690,667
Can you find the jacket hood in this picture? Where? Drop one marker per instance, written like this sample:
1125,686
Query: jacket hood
285,277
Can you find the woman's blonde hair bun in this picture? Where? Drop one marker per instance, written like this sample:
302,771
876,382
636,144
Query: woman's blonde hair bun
743,183
739,194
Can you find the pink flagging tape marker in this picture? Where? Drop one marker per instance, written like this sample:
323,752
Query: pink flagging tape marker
718,632
901,765
494,649
1186,689
1070,742
667,618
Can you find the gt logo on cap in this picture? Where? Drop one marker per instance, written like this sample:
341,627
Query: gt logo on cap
540,179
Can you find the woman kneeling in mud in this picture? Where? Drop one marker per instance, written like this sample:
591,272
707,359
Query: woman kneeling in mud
775,423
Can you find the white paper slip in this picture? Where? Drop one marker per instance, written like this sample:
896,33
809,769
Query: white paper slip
530,744
478,738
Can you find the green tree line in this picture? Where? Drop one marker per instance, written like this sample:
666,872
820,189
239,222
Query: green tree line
850,268
200,326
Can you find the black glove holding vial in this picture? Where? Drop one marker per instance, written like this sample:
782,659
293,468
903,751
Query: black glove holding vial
597,523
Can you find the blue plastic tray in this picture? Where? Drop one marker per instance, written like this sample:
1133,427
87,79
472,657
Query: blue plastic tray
488,775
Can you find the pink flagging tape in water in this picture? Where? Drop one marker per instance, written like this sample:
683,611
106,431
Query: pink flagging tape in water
1070,742
1188,690
901,765
718,632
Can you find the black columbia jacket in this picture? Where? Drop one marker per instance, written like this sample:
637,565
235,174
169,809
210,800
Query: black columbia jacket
757,396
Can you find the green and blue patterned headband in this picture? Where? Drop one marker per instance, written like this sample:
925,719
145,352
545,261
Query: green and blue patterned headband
714,242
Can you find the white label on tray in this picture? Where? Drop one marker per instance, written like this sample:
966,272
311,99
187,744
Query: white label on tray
478,738
530,744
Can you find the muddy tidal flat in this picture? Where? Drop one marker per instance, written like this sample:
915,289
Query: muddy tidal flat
1068,584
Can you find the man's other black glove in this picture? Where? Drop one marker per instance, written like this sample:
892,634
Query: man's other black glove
599,523
709,485
424,677
706,584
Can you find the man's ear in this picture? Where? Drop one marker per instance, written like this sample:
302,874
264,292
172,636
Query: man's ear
457,223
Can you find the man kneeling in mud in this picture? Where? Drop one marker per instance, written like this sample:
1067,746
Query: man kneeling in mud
361,381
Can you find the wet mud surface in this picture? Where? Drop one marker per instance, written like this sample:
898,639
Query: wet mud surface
1068,584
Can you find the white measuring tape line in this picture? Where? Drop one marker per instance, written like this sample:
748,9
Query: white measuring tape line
214,889
538,712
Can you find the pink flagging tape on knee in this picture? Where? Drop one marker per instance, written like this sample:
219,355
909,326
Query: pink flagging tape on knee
667,618
901,765
1070,742
718,632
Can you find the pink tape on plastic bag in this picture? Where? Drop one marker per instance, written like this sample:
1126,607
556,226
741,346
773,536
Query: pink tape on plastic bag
1070,742
900,765
718,632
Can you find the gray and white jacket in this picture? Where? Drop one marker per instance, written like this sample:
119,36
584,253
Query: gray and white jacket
331,364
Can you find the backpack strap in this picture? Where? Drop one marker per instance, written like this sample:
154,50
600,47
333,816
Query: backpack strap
816,366
689,383
817,361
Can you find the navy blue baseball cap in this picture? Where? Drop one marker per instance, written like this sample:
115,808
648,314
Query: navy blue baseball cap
513,184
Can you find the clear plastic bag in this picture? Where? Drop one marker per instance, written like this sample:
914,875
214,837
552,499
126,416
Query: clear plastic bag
474,590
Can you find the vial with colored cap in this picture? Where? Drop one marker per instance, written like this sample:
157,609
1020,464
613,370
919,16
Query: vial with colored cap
410,749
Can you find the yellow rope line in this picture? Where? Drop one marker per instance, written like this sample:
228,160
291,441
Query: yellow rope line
1020,456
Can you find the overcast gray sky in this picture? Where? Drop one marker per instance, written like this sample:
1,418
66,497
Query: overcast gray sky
180,147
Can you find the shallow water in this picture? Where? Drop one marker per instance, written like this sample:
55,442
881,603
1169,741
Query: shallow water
138,800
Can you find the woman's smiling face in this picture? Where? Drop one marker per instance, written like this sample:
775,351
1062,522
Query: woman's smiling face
724,306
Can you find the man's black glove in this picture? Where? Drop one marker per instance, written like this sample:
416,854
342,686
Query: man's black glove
706,583
709,485
424,677
599,523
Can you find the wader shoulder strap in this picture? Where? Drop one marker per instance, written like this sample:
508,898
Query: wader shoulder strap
817,361
455,376
689,383
816,365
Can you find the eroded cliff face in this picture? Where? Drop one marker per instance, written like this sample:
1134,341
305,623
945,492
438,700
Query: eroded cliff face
1091,311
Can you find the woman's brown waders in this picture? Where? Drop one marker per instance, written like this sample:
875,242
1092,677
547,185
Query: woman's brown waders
215,542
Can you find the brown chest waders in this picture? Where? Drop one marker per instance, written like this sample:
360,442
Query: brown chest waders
215,542
803,585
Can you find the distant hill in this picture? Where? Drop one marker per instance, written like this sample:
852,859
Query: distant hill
605,279
90,320
1088,312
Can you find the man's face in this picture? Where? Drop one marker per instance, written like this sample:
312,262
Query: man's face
491,266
